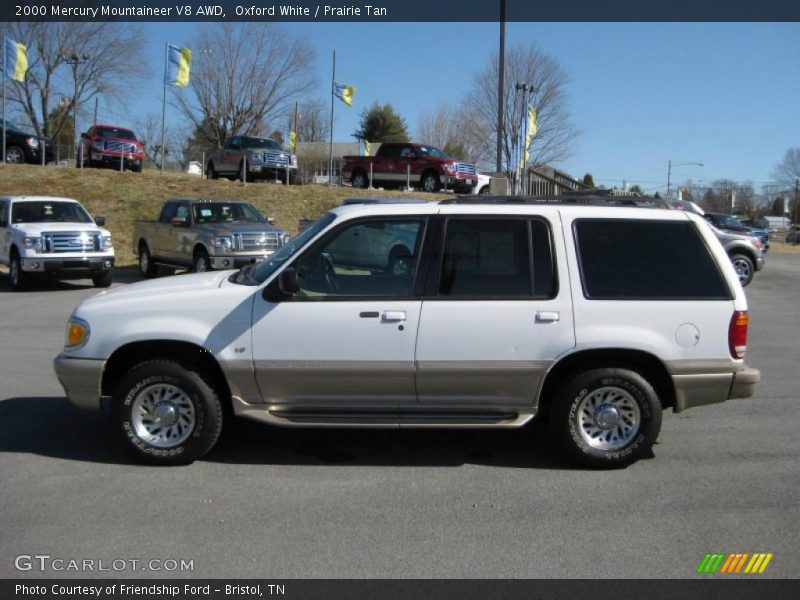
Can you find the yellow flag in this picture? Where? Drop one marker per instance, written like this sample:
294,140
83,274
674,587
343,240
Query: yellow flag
292,140
15,60
344,93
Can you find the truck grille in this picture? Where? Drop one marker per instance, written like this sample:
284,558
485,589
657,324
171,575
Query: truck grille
465,168
71,241
256,242
115,146
275,159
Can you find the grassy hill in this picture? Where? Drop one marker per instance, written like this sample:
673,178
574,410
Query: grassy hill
124,197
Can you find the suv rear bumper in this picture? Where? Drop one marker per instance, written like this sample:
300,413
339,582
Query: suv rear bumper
81,379
699,389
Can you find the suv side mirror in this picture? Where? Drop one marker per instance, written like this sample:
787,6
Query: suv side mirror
100,221
84,136
179,222
282,288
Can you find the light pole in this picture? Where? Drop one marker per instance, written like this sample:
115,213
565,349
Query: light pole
74,60
680,164
501,81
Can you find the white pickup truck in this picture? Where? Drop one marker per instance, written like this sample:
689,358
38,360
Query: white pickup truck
43,235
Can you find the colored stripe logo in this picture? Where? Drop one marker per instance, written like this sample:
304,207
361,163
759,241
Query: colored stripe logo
734,562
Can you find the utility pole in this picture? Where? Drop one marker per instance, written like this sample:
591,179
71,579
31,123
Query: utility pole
794,217
74,60
501,85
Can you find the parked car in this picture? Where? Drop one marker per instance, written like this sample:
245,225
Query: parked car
43,235
247,157
482,187
204,235
425,167
731,224
110,145
746,252
793,237
510,310
22,147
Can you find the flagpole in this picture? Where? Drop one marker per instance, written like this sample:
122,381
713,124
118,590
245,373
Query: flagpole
330,147
164,103
4,99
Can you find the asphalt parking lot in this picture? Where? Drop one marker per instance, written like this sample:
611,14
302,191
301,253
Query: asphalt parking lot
278,503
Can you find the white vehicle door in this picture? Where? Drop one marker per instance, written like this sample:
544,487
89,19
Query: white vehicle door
347,336
496,312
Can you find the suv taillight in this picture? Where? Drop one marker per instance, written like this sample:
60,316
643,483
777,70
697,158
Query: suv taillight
737,333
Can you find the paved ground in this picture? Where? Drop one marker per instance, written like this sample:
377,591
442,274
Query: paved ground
291,503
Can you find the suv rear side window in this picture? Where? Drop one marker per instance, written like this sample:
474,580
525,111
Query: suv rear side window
646,260
491,258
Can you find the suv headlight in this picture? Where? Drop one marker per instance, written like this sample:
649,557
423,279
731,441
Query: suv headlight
77,334
105,242
224,243
254,158
32,142
33,243
450,168
99,145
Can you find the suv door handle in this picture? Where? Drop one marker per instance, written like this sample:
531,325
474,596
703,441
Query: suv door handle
547,316
394,315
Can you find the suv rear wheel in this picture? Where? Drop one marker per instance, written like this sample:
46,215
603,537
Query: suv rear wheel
147,267
606,418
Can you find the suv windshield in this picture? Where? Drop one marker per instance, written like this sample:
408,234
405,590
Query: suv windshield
258,273
49,212
114,132
225,212
251,142
434,152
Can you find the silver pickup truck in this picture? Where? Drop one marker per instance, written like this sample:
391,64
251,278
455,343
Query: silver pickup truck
247,158
204,235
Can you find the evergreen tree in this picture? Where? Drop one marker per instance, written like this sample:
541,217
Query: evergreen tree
379,123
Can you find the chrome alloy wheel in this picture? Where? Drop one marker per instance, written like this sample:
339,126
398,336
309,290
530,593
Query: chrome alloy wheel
163,415
608,418
743,269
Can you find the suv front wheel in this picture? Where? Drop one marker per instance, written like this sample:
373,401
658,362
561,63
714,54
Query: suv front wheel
606,418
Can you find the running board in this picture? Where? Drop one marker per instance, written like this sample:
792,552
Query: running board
379,417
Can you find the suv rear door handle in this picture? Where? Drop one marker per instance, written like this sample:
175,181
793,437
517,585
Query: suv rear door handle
547,316
394,315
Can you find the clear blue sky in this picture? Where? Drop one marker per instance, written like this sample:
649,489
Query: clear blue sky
726,95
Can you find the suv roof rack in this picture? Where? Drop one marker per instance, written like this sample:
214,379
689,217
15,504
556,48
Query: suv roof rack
349,201
577,199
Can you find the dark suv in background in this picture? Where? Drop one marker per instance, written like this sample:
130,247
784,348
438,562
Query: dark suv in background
24,147
733,225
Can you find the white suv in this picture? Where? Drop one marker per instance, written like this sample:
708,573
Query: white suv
494,312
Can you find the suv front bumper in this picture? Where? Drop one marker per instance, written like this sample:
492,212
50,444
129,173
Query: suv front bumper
81,379
78,265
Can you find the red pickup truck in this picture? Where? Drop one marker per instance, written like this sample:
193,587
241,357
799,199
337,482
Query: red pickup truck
430,168
107,145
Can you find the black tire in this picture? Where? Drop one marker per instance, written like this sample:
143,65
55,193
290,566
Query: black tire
744,267
15,155
242,172
137,169
430,182
360,179
201,263
147,268
575,427
210,172
17,278
484,191
103,279
165,389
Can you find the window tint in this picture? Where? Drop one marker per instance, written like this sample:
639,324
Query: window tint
375,258
486,258
168,212
182,211
646,260
3,214
390,150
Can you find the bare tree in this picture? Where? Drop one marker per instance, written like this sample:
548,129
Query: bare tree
788,170
524,64
148,128
108,65
447,126
313,124
244,75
